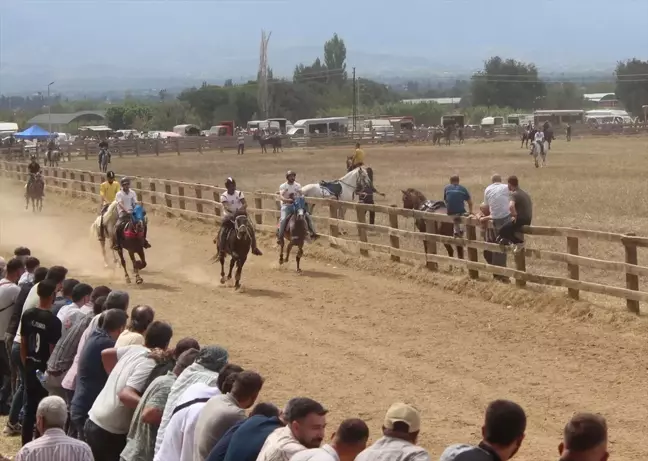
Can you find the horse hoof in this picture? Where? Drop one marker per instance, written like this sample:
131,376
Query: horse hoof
237,287
222,280
128,280
139,280
299,272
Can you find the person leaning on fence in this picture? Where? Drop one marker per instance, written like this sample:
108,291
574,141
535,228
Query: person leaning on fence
456,196
521,209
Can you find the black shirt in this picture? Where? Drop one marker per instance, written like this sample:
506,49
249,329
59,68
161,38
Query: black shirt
42,330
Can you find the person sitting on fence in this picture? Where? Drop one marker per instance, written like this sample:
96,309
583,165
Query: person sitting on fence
234,204
521,209
455,196
126,201
288,192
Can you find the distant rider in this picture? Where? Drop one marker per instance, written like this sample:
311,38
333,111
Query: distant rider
358,158
126,201
108,191
288,192
234,205
539,140
34,168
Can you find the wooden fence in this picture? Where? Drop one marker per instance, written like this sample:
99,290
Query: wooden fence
201,201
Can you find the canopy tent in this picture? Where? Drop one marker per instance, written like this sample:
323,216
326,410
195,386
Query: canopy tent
33,132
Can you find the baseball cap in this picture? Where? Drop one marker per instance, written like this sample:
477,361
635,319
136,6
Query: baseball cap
403,413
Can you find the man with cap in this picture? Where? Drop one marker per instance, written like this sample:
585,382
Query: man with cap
126,201
502,432
585,439
400,432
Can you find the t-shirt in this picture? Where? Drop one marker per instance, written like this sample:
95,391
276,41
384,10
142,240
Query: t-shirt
455,195
286,190
358,157
129,338
69,382
126,200
27,277
523,205
132,370
218,416
539,136
248,439
393,449
41,330
109,191
65,310
9,292
325,453
240,138
91,375
140,444
462,452
232,203
281,445
220,449
32,301
496,196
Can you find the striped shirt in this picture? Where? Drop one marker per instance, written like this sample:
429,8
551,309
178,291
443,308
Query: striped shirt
54,445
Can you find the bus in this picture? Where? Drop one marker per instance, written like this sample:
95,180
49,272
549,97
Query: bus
519,119
458,120
608,116
558,117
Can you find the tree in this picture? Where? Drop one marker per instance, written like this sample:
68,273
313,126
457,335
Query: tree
127,115
563,96
205,100
507,83
335,59
632,84
316,72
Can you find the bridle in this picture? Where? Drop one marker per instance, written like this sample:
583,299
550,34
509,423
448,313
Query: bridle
241,228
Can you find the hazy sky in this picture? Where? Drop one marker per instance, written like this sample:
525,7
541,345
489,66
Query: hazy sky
183,37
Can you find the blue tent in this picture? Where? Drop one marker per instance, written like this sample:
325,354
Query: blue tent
33,132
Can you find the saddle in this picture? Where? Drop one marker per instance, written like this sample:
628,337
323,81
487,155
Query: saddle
334,187
433,205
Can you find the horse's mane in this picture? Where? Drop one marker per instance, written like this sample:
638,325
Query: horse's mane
416,193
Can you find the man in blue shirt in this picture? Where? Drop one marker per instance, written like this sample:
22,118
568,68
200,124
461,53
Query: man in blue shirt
455,196
243,442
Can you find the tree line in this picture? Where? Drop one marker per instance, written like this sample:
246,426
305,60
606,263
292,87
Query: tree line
325,88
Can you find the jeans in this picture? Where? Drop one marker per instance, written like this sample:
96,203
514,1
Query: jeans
5,373
17,404
456,225
34,393
508,230
367,199
105,445
286,212
77,426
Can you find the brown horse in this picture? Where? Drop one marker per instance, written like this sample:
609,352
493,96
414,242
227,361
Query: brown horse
296,231
35,191
415,200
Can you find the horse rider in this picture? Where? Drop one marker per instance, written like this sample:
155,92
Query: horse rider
108,191
33,168
103,150
288,192
539,139
358,158
126,200
234,205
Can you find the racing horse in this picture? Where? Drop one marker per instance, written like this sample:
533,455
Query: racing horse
547,129
35,190
537,151
273,140
343,189
53,157
105,225
104,160
238,242
296,231
415,200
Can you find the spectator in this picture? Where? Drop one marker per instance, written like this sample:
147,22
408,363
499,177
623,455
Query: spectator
455,196
244,440
167,363
141,318
9,291
224,411
205,370
31,264
400,432
65,298
521,209
128,368
503,433
3,267
81,294
178,444
92,376
54,445
13,427
348,442
496,198
140,445
22,253
39,333
306,422
585,439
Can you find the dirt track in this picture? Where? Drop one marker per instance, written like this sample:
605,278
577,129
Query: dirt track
359,342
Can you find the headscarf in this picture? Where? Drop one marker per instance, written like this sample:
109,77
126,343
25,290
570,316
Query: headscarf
214,358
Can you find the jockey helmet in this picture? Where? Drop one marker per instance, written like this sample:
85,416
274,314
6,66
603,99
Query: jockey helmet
290,173
33,157
230,182
125,181
110,175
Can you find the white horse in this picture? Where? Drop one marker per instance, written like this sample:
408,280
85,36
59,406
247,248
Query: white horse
347,186
110,218
537,151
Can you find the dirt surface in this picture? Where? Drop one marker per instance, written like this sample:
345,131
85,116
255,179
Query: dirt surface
359,342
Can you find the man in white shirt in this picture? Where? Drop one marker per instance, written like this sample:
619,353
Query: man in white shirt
31,264
234,204
288,192
240,140
126,200
539,140
348,442
497,198
9,291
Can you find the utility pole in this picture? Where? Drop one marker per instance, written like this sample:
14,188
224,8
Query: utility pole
354,105
49,107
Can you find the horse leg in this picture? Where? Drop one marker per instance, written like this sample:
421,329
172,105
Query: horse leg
120,253
290,245
136,267
300,253
449,249
460,252
229,274
281,250
239,269
222,262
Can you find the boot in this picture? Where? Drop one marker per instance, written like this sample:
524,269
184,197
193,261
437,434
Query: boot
255,249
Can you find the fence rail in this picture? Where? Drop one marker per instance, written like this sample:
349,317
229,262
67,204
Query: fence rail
189,200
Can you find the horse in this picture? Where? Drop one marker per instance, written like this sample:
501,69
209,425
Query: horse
237,245
53,157
537,151
549,136
526,137
104,226
296,231
343,189
415,200
104,160
272,140
35,190
437,136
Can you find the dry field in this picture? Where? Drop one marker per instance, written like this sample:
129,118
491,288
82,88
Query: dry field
592,183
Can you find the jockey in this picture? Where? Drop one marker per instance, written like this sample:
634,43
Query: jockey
539,140
108,191
34,168
358,158
234,204
126,201
288,192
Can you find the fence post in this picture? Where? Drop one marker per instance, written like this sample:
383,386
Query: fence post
137,147
64,175
362,231
394,240
167,199
573,269
430,245
82,186
181,193
177,143
333,214
69,152
138,184
92,182
200,147
86,150
632,280
153,191
157,147
471,234
258,204
217,210
520,264
198,192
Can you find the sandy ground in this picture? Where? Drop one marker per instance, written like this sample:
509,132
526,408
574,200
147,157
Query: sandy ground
358,341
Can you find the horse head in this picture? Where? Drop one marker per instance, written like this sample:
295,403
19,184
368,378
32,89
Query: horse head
241,226
412,199
300,207
363,181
